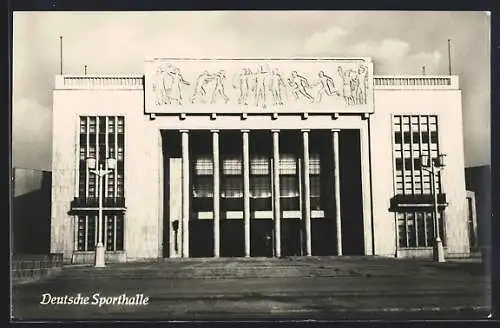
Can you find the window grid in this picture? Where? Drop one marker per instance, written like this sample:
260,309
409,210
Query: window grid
232,166
101,137
86,234
416,229
204,166
414,136
259,166
287,164
260,177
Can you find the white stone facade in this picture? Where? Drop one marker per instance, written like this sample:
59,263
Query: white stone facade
147,210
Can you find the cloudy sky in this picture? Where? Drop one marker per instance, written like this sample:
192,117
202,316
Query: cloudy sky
114,42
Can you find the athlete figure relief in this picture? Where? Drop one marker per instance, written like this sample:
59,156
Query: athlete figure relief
259,87
327,86
362,85
167,85
175,94
219,78
299,84
243,84
205,81
200,89
355,85
276,86
160,86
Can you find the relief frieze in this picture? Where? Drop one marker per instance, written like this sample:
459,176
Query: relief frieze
252,85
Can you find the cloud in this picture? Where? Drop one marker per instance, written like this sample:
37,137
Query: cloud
392,55
325,40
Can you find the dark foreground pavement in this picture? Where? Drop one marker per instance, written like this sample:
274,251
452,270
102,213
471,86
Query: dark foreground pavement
249,289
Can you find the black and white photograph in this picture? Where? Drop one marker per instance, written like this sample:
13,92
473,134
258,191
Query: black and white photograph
250,165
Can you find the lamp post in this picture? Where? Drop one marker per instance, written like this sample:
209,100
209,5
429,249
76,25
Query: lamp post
100,172
434,166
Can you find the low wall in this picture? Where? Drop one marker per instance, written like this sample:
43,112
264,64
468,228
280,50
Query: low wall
26,268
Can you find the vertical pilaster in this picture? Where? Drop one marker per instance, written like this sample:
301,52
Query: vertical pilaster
185,193
276,185
216,175
246,191
307,192
366,189
336,185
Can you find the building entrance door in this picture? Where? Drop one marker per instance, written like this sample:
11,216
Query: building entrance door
291,230
261,238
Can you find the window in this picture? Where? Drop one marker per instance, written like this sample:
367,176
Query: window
204,166
111,124
232,166
415,136
203,177
416,229
315,180
289,182
86,236
232,179
100,139
260,177
419,137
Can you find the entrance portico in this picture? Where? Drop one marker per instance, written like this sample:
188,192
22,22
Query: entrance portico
252,192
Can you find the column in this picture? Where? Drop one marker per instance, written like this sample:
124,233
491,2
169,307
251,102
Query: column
246,191
276,192
216,167
185,193
336,185
307,192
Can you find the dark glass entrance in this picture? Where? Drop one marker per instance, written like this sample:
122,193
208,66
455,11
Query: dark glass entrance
261,237
291,230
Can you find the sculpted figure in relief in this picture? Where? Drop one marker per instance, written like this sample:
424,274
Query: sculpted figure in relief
327,86
219,78
362,85
299,84
160,86
276,86
347,85
200,90
175,92
259,87
243,84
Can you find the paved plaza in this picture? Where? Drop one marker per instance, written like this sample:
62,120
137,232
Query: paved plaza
319,288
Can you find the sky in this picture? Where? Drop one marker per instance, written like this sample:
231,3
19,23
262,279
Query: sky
400,43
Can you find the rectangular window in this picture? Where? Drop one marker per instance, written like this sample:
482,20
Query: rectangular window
260,186
204,166
289,186
408,147
203,186
83,124
260,177
416,229
259,166
232,178
419,137
101,137
288,164
232,187
113,232
314,164
232,166
111,124
121,125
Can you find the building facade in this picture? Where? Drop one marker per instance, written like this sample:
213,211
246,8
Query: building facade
257,157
